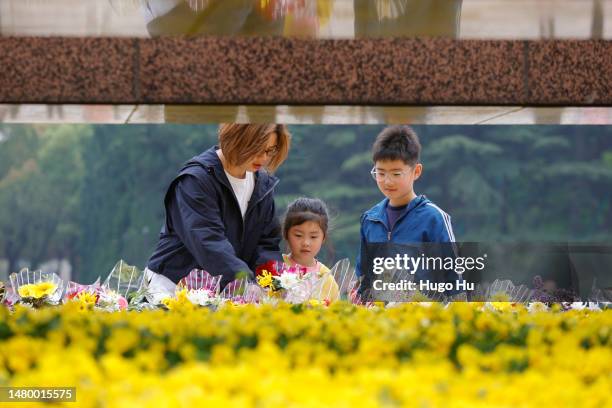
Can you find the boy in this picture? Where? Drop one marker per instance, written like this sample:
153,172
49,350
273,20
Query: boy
402,217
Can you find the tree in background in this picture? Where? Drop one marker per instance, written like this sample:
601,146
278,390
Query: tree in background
39,192
128,171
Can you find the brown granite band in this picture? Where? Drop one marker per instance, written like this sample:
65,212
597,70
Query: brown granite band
274,70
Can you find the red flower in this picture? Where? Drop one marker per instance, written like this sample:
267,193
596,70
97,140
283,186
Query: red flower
270,266
73,293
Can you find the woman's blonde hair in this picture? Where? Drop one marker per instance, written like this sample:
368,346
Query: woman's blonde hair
241,142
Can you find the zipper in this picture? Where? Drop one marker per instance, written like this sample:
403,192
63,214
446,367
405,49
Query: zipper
389,231
250,207
384,225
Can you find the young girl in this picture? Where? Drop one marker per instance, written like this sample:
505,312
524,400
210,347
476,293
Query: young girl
305,230
220,213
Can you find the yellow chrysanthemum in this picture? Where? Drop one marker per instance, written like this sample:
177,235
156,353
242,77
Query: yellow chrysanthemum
25,291
501,301
265,280
180,302
502,305
87,300
37,290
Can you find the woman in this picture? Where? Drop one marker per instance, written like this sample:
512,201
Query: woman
220,213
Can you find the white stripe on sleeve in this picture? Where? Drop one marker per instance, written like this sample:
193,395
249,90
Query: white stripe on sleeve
447,222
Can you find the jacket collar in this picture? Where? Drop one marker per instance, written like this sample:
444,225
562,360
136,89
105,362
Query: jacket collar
264,182
379,211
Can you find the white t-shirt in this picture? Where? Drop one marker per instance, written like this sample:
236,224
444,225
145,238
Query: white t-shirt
243,188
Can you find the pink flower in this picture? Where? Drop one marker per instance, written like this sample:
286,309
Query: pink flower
122,303
294,269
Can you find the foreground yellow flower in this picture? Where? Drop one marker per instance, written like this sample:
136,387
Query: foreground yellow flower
461,355
180,302
265,279
37,290
503,306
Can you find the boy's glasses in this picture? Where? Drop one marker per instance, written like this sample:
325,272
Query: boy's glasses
382,175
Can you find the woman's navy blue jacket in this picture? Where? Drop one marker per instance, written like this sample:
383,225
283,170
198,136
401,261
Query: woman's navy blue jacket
204,227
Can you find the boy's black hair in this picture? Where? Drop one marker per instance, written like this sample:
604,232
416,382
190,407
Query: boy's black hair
397,143
305,209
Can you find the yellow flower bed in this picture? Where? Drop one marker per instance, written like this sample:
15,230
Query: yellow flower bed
288,356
